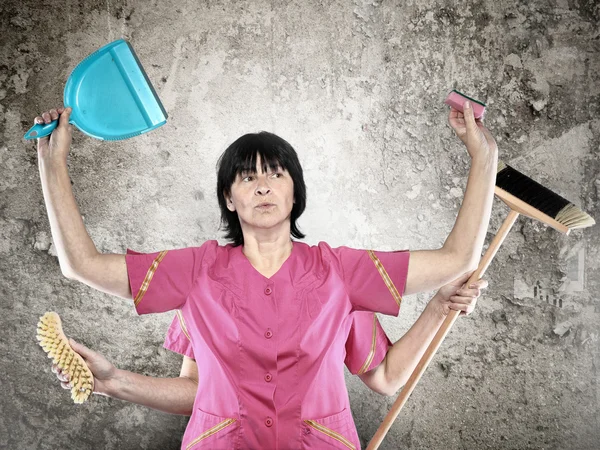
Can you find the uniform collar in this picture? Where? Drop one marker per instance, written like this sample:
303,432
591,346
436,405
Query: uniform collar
240,260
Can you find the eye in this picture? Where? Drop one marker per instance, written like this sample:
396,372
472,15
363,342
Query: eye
276,175
247,178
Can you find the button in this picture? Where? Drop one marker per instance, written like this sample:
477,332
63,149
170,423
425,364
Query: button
268,377
269,422
268,333
268,291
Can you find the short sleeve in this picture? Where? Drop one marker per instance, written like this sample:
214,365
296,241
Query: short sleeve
162,281
367,343
375,280
178,338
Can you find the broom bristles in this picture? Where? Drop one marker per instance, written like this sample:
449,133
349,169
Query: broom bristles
541,198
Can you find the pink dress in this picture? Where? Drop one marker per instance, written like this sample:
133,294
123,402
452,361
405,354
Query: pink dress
270,350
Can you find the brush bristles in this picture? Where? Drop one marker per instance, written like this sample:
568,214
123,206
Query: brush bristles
541,198
573,217
54,342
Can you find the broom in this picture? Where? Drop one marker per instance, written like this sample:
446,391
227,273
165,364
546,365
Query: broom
523,196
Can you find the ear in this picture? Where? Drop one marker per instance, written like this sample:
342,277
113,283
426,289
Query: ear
228,201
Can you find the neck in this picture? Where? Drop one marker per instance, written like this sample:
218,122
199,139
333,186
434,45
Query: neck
267,253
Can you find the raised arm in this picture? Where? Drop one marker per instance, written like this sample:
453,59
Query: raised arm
170,395
430,269
77,255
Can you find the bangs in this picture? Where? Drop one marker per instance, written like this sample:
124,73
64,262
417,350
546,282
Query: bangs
269,160
246,151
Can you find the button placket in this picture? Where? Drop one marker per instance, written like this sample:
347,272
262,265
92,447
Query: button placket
268,289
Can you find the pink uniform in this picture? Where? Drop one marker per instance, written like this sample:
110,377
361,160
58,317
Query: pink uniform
270,350
366,345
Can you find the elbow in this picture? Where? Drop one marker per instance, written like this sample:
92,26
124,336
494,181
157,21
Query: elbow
469,258
390,390
70,268
382,390
463,262
68,272
392,385
470,265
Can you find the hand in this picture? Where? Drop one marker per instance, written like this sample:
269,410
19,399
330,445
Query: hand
57,145
102,369
457,296
472,132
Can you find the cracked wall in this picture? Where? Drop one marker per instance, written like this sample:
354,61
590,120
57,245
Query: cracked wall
357,88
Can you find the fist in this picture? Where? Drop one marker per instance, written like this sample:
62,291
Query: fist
457,296
56,146
477,138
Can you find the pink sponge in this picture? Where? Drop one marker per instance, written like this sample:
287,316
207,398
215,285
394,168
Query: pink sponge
456,100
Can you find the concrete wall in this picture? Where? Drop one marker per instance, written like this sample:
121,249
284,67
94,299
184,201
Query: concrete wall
357,88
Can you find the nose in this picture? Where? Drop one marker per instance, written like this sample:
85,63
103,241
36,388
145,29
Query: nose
262,190
262,186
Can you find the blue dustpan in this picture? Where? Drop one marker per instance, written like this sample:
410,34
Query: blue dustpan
111,96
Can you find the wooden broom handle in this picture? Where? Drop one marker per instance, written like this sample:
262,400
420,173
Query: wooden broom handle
440,335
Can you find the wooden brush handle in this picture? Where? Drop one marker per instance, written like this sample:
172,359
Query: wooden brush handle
440,335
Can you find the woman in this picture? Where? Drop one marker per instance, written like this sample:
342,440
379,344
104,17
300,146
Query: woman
268,315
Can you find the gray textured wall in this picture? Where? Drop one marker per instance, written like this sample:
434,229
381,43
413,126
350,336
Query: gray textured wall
357,88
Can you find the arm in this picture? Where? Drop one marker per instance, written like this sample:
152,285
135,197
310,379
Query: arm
461,251
402,358
170,395
77,255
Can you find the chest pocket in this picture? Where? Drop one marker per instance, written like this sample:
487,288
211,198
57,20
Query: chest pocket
207,431
336,432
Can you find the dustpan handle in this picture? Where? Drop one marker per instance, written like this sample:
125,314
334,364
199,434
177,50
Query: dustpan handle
40,130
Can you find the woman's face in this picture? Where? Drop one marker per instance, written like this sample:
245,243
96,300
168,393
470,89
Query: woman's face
262,200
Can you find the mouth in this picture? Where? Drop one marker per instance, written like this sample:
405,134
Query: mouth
265,205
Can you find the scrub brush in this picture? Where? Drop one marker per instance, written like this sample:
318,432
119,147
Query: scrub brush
54,342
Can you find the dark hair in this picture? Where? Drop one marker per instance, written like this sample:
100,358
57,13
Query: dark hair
241,157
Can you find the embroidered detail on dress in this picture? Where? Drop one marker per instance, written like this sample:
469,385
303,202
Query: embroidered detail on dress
182,324
332,434
149,275
218,427
386,278
371,354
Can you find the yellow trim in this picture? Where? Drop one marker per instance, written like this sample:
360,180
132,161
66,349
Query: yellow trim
218,427
371,354
148,279
386,278
182,324
332,434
